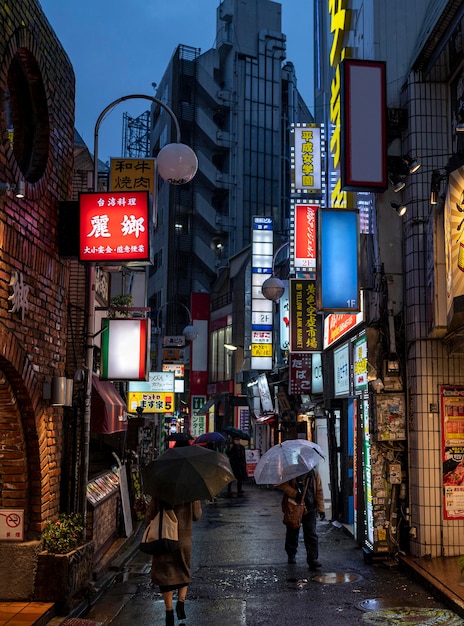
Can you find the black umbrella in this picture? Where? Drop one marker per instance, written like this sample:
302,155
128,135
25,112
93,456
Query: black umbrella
187,474
236,432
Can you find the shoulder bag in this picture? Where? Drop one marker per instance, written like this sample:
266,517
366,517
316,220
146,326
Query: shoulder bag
162,533
294,511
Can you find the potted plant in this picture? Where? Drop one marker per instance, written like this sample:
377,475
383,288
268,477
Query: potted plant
461,563
65,534
64,566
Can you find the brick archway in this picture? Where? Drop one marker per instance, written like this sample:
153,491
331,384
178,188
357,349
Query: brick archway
20,458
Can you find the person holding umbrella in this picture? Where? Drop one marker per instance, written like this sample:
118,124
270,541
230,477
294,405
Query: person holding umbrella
290,466
179,479
314,503
171,570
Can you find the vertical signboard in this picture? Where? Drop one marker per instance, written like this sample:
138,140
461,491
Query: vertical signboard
339,245
305,323
306,162
342,371
360,364
261,307
299,380
363,110
452,428
303,237
454,241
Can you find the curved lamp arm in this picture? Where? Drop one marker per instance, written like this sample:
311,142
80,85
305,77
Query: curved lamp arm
190,332
188,152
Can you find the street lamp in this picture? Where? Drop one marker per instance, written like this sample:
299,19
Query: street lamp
190,332
273,288
177,164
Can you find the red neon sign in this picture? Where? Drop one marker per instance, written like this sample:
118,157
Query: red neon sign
115,227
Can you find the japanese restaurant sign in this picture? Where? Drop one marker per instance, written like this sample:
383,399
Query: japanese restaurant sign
452,428
115,227
305,324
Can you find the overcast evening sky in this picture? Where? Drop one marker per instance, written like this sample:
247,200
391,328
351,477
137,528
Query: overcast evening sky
119,48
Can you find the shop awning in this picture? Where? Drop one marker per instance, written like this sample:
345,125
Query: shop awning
109,411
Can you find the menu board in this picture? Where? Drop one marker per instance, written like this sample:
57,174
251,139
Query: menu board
102,486
452,428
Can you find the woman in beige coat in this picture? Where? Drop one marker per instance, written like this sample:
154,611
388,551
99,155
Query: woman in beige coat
171,570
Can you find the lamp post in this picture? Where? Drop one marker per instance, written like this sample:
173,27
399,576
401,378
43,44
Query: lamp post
177,164
190,333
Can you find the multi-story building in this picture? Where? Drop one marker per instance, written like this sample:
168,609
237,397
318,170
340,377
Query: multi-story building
235,104
404,422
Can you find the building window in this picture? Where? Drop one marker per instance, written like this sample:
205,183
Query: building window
26,114
220,358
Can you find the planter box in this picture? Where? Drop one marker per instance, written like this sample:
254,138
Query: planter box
60,577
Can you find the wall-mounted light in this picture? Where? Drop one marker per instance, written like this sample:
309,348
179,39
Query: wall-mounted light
19,188
377,385
59,390
412,163
230,347
399,208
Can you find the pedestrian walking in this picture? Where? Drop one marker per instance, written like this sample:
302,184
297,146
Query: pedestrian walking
171,570
314,503
237,458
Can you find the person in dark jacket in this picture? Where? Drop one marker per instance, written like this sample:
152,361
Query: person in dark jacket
237,458
171,571
314,502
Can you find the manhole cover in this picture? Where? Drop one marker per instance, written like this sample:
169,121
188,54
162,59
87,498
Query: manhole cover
407,616
334,578
375,604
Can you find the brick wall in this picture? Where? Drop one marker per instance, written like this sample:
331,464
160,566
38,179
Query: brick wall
32,338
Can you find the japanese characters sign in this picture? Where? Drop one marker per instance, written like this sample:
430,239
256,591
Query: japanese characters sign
300,373
341,367
115,227
19,298
304,238
452,428
150,402
305,323
306,164
360,363
132,174
262,309
198,423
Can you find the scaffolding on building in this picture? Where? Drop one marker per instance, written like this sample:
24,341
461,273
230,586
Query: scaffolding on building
136,136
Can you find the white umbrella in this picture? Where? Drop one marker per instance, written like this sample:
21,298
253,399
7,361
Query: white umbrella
287,460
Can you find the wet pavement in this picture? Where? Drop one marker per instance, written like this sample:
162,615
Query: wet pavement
240,576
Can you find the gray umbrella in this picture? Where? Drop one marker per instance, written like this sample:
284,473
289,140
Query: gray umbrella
287,460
